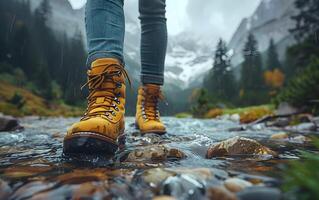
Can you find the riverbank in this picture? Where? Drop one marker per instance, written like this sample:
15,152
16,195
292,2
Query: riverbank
19,102
196,159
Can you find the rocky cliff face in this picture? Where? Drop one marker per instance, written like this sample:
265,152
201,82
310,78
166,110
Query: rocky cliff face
272,19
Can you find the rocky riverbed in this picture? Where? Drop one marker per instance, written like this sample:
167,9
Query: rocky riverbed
196,159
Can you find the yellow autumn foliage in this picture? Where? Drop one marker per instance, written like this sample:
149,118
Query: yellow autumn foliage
275,79
213,113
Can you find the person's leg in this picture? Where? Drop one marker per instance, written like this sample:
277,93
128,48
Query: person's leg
153,51
105,28
102,126
153,40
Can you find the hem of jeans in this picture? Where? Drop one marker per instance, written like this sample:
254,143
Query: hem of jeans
102,54
152,79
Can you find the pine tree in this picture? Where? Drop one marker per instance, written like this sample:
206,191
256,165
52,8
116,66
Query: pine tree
252,84
221,82
307,19
251,74
272,57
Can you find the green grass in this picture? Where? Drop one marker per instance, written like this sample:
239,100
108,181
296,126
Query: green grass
183,115
302,176
32,103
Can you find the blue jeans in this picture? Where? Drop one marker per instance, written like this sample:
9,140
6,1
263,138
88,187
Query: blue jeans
105,28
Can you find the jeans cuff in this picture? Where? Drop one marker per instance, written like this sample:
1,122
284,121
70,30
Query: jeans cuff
152,79
102,54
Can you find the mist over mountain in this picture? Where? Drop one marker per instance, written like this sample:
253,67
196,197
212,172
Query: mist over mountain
271,20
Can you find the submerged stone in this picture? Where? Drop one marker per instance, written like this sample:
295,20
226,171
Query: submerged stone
8,123
238,146
220,193
164,197
154,153
260,193
157,175
183,187
279,136
236,184
5,190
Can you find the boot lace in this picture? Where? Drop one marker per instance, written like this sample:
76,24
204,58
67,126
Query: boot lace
150,103
95,83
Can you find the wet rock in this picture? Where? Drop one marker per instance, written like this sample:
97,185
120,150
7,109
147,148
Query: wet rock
300,139
183,187
279,136
260,193
80,176
316,120
164,198
220,193
8,123
200,173
235,117
236,184
5,190
25,171
285,108
154,153
157,175
280,122
303,127
238,146
31,189
91,190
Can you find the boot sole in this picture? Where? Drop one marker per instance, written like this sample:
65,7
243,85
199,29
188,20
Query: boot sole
158,132
89,143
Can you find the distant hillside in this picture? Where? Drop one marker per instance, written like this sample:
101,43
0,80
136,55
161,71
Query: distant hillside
272,19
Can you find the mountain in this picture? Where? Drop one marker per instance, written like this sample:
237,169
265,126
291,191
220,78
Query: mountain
272,19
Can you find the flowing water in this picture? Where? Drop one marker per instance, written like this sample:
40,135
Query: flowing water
33,166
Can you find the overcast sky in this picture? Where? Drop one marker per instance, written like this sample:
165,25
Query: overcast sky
205,18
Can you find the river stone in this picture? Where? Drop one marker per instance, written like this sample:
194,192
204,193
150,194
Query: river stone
285,108
200,173
220,193
279,136
164,198
304,127
260,193
300,139
8,123
280,122
238,146
183,187
157,175
154,153
5,190
236,184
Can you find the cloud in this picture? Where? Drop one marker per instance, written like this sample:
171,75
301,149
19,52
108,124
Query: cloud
208,19
217,18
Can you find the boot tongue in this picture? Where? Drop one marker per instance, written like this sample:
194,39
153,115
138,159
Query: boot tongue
99,65
152,89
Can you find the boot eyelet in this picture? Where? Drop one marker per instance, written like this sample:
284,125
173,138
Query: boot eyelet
113,113
116,108
117,100
119,85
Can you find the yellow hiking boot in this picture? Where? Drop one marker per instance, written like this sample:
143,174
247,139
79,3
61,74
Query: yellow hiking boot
102,125
147,113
